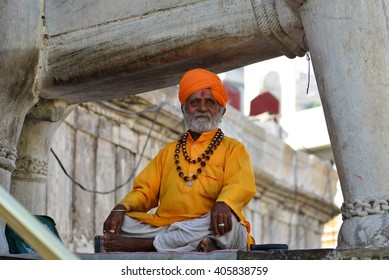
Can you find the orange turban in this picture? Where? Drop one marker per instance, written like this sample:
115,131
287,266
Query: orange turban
198,79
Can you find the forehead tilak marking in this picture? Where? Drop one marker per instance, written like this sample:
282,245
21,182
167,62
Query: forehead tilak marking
203,93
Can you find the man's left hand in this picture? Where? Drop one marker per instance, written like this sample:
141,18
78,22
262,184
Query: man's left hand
221,219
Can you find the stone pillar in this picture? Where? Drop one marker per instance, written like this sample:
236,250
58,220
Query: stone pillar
349,43
20,56
29,178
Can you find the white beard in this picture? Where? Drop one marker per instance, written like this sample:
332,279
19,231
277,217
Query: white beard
202,122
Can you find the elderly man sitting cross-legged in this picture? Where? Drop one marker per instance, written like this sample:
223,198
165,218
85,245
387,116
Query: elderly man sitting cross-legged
200,184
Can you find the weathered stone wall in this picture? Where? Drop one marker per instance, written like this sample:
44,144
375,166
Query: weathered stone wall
100,146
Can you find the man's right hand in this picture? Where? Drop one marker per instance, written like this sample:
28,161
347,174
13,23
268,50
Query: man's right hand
115,220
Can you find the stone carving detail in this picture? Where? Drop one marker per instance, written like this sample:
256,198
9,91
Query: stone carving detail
8,158
31,169
268,22
370,206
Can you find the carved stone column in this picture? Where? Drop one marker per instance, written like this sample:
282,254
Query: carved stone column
349,44
20,56
29,178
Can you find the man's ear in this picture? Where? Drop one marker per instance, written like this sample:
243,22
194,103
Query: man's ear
182,108
225,109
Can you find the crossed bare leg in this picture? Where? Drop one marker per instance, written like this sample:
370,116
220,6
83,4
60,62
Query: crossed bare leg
118,243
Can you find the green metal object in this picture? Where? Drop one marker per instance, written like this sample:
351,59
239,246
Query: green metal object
45,243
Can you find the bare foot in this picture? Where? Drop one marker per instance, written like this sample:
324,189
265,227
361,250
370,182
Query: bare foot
118,243
207,245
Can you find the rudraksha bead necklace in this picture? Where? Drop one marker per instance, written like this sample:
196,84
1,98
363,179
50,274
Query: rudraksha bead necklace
181,145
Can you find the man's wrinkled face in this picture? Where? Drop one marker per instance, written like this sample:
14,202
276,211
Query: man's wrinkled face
202,112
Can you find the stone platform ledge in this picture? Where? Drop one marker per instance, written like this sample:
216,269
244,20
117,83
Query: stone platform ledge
306,254
317,254
214,255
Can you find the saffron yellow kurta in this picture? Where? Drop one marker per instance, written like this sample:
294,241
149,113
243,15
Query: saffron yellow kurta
228,177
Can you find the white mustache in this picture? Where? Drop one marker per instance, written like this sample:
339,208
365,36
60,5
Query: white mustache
202,115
